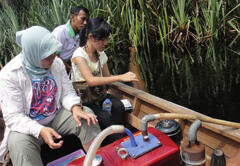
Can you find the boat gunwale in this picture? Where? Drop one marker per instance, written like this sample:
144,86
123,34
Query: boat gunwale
229,132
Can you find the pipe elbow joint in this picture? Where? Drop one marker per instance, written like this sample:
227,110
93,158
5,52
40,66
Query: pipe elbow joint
192,133
144,122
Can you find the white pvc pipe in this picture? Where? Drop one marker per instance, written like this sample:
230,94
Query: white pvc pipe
148,118
98,140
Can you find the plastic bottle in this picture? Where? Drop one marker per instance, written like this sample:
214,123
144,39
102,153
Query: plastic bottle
107,105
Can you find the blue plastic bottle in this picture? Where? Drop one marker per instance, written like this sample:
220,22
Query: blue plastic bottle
107,105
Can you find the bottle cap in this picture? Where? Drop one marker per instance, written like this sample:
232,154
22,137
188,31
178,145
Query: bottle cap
107,100
97,161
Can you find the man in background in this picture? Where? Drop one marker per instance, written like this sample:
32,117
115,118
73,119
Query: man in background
68,34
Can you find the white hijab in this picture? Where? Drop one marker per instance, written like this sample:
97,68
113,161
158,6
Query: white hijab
37,43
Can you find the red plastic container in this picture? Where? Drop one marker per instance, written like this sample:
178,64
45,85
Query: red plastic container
165,155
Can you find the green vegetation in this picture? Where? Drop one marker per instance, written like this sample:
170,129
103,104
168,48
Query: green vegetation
187,50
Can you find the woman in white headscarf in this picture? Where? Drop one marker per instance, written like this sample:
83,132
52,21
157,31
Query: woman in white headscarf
38,101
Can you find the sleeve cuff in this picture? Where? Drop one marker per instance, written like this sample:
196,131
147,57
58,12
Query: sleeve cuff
36,130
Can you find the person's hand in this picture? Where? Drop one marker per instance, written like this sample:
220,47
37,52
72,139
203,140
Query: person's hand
48,135
129,76
78,114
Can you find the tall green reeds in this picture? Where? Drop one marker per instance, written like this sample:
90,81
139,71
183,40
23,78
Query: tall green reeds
9,25
187,51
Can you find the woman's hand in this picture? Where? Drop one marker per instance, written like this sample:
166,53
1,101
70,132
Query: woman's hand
78,114
48,135
128,77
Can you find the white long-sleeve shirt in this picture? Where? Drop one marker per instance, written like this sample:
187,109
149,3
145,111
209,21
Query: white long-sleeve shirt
16,97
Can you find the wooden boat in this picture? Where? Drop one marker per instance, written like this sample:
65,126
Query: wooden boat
213,136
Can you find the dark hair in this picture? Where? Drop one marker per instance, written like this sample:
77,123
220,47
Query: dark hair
76,9
99,28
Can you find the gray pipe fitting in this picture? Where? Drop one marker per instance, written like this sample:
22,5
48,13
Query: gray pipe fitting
144,122
192,132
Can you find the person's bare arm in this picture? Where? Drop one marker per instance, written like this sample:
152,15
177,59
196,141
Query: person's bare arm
107,77
89,77
106,72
